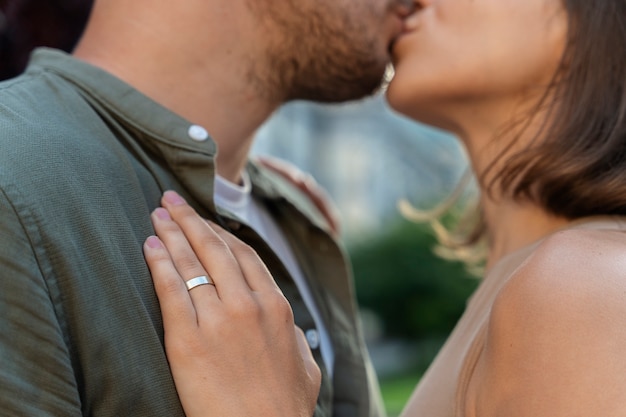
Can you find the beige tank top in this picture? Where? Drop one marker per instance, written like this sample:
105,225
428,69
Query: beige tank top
442,390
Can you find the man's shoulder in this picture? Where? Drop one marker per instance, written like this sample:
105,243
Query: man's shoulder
36,101
43,122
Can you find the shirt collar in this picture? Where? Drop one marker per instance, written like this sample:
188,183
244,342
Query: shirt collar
186,148
268,185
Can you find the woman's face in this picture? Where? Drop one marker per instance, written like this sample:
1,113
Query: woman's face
460,55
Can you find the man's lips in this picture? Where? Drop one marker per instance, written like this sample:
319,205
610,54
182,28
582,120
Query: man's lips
407,17
398,30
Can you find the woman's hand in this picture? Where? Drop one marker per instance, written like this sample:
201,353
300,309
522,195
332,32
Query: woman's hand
307,184
232,345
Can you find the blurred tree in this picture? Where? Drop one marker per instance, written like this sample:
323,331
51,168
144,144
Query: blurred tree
417,295
27,24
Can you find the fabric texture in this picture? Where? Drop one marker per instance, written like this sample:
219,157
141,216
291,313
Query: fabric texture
84,160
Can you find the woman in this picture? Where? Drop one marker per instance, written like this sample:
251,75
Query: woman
536,91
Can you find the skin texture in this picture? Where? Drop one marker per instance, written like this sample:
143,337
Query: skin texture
242,58
223,341
460,60
556,339
324,51
476,68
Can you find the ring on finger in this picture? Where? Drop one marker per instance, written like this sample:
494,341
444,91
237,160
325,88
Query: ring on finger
197,281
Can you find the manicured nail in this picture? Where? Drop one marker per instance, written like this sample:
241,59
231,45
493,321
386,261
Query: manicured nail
173,198
162,214
154,242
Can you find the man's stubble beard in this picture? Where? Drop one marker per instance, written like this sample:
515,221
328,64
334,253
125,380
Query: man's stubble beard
317,57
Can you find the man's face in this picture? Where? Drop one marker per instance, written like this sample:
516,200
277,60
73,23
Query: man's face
327,50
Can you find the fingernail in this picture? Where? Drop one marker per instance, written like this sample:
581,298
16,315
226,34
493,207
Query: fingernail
154,242
162,214
173,198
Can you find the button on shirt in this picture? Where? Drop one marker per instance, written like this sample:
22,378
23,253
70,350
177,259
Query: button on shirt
238,200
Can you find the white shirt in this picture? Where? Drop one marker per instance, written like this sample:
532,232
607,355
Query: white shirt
238,200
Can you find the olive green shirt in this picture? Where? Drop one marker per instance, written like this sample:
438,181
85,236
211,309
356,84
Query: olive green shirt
84,159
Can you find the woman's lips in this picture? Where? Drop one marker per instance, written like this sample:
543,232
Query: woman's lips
407,13
412,22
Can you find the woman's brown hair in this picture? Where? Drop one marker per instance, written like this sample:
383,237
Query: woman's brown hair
577,164
578,169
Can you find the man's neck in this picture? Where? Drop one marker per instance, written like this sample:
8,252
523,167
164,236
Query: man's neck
200,74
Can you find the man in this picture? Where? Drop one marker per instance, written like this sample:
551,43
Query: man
89,143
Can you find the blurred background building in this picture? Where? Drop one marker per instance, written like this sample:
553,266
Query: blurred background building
366,156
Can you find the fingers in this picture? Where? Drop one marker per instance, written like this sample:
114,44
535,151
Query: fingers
184,261
220,253
215,336
255,271
197,243
176,306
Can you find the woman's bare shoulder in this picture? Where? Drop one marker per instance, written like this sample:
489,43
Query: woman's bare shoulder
573,266
557,332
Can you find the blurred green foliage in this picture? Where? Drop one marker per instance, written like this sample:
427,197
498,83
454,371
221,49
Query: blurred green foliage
397,391
418,295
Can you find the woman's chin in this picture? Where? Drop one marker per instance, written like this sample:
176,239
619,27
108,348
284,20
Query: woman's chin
406,104
398,100
421,109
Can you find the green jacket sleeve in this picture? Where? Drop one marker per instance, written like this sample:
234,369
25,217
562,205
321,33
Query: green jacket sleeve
36,373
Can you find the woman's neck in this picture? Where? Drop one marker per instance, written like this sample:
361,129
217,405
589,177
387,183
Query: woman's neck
492,135
512,226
